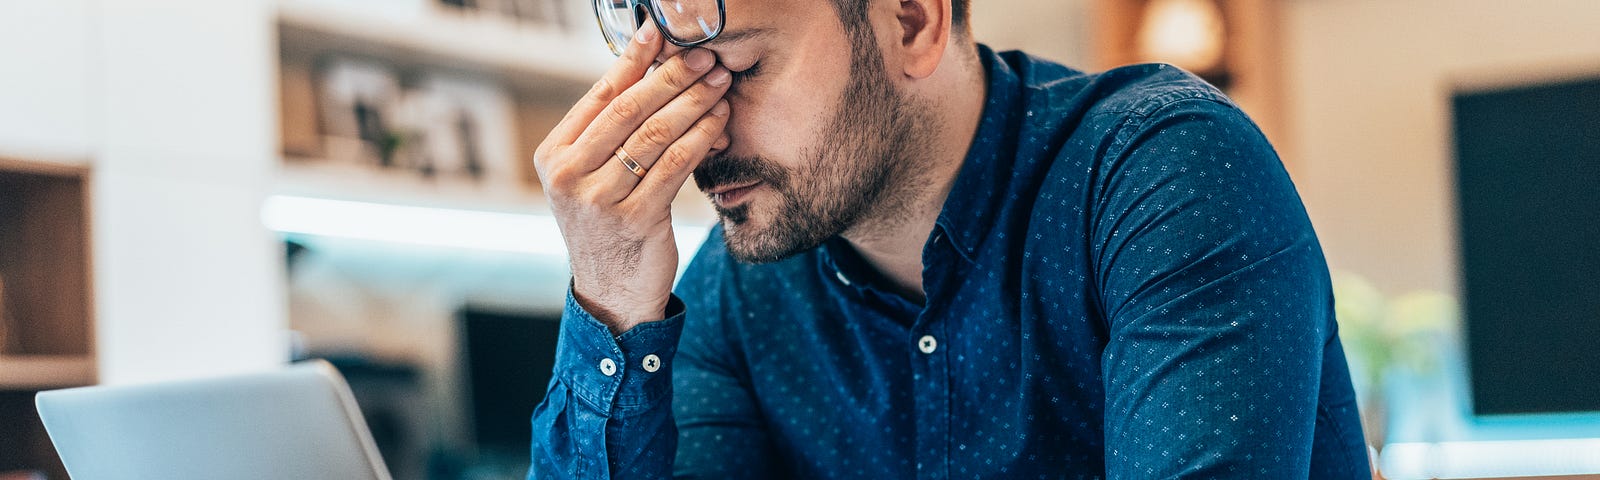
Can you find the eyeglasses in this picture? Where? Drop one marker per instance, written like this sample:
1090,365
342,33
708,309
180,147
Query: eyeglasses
686,23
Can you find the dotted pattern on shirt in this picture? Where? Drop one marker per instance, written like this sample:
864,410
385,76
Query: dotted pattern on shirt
1147,299
1122,284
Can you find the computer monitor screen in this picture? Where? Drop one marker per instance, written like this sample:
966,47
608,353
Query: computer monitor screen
1528,184
509,357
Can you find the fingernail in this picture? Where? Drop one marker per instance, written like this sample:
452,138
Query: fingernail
718,77
699,59
721,109
646,34
722,142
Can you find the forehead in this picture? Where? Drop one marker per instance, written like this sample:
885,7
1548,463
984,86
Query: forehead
769,11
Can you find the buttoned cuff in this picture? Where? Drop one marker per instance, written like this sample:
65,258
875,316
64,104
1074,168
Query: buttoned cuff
618,375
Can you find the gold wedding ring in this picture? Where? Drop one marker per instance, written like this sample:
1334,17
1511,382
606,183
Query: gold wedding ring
628,162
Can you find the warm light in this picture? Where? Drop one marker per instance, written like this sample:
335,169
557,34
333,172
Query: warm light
1186,33
436,227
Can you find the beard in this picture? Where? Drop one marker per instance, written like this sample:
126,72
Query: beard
863,167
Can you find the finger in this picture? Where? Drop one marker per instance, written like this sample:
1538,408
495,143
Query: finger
626,112
632,66
670,172
673,120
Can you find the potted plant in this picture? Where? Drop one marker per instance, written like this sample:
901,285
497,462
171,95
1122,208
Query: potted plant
1384,337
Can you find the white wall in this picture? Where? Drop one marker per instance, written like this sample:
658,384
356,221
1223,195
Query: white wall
170,102
1369,84
1059,30
187,280
44,79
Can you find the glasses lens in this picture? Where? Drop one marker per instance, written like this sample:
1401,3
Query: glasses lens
690,21
619,20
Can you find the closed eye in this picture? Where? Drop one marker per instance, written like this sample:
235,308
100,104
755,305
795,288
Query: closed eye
748,73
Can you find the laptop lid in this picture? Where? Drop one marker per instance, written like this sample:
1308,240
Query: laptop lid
298,422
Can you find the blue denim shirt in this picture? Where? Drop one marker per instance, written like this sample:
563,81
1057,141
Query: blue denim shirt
1123,283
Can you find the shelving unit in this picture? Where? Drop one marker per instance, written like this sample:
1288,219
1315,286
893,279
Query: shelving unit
48,324
544,68
348,69
541,68
535,58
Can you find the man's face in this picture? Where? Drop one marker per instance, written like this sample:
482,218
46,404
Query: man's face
821,139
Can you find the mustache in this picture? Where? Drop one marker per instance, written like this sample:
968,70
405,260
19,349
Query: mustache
725,169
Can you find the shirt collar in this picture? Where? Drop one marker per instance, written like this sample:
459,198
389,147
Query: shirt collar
970,211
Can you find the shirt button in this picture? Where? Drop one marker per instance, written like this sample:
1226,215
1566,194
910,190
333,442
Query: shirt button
652,363
840,276
927,344
608,367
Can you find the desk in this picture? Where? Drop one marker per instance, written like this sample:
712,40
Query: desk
1433,434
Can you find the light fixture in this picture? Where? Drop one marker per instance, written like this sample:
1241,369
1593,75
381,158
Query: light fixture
1188,33
436,227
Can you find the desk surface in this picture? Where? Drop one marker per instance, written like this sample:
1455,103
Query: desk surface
1432,433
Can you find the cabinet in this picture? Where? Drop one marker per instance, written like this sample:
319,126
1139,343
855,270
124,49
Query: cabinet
46,312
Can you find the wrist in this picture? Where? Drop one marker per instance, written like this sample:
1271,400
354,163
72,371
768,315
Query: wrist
619,317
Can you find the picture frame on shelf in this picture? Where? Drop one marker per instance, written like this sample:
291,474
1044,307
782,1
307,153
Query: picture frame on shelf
427,127
466,126
552,14
541,12
358,101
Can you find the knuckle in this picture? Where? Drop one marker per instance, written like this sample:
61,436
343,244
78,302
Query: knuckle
543,153
557,180
704,94
678,75
624,108
590,197
655,133
675,158
604,89
540,160
711,126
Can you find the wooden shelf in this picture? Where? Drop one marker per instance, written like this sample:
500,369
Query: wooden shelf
344,181
543,69
46,307
60,167
45,372
44,264
524,56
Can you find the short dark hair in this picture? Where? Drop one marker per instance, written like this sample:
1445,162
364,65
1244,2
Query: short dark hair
854,15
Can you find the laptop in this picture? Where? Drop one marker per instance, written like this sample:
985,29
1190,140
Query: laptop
299,422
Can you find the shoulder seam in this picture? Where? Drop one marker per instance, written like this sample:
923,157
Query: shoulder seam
1156,103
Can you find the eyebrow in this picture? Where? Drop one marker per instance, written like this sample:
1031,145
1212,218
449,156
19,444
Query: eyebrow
726,39
733,37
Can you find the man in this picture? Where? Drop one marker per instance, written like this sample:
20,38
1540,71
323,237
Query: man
932,261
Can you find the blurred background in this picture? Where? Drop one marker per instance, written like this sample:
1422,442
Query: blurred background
194,187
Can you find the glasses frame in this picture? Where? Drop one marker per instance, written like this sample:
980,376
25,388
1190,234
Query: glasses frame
655,17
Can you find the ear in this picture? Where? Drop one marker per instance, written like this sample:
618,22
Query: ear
924,33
